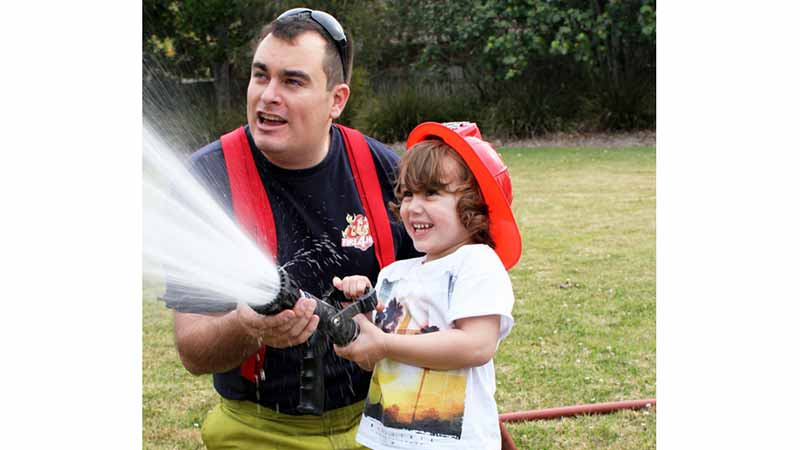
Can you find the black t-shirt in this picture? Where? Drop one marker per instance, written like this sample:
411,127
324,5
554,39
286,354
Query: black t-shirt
312,208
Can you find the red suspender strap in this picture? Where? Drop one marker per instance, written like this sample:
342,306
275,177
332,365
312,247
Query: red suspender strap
366,180
250,202
252,210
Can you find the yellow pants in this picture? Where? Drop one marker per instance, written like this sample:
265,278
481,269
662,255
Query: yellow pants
242,425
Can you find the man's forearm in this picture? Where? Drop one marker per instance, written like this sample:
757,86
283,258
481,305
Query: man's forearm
212,343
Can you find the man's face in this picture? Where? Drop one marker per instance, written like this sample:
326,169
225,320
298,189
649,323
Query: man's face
289,109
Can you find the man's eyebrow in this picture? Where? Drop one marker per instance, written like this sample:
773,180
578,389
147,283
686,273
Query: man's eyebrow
289,73
285,73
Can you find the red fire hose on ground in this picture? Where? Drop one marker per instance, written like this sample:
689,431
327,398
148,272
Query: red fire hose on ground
564,411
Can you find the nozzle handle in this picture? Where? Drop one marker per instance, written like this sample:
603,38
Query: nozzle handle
341,326
312,383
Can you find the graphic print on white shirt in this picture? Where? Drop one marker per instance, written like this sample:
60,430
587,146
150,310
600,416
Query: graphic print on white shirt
409,397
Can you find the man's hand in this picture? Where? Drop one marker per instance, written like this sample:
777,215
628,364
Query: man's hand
285,329
368,349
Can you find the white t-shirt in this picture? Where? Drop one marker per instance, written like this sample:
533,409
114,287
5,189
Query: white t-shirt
410,407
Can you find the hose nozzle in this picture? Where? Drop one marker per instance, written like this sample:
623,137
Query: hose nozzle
333,322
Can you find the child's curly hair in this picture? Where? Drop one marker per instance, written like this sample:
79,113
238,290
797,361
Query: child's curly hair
422,168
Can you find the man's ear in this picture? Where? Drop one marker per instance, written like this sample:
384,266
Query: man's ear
341,93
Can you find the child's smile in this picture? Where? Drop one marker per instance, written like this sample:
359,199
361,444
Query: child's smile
421,228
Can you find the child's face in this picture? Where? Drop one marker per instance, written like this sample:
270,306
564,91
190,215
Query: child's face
431,219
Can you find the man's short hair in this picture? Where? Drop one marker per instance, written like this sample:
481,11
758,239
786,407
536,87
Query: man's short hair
289,28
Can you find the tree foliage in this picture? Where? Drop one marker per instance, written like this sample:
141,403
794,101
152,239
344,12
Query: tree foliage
544,47
503,36
572,59
203,38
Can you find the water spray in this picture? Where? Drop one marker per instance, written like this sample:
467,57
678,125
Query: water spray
335,322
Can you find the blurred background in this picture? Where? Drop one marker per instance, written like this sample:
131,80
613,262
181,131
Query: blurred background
519,68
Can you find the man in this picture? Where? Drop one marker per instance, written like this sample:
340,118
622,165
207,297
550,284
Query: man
306,176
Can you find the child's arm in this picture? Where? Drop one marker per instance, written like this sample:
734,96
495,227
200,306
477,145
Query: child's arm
472,343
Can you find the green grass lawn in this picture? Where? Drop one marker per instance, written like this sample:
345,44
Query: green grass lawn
585,309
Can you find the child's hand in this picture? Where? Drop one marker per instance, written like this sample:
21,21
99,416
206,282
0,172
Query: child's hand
368,349
353,286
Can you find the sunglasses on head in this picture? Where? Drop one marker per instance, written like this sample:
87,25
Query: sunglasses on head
330,25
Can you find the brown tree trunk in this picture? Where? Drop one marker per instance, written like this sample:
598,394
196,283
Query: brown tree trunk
222,85
222,71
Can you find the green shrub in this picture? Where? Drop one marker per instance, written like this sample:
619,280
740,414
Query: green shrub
555,94
629,106
391,113
545,98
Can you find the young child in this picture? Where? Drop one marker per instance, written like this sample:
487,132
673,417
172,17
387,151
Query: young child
442,315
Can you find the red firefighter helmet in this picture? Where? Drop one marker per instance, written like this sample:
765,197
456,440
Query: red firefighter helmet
491,174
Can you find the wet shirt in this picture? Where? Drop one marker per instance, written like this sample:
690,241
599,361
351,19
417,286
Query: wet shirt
320,228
